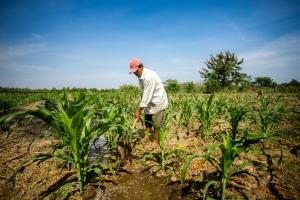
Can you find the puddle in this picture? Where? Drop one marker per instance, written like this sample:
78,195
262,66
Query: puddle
139,186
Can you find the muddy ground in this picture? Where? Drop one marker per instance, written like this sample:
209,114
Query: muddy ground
48,180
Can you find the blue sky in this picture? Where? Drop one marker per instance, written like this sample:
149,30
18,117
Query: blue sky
45,44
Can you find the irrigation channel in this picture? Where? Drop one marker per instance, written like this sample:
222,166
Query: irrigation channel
135,184
139,185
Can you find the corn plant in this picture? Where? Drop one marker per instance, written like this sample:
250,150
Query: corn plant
206,114
270,111
178,155
186,113
72,120
236,114
163,141
7,103
120,135
162,156
221,103
116,112
230,149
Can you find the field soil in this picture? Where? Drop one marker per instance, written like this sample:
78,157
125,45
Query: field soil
141,178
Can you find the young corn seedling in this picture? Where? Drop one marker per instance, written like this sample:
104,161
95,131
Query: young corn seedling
161,156
230,149
110,115
236,115
186,113
123,133
163,140
271,110
206,114
178,157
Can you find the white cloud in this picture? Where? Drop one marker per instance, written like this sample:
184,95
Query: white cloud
279,59
31,67
15,51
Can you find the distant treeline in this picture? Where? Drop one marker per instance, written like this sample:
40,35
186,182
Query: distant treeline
259,84
174,86
45,90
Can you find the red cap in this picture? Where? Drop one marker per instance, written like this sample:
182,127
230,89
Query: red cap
134,64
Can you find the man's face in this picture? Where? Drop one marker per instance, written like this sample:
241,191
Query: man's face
139,72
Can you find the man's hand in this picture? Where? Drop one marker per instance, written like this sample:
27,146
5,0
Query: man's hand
138,113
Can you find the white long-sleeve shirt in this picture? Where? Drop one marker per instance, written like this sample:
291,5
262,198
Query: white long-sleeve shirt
153,94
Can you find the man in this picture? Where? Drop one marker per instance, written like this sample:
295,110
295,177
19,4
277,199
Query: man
154,99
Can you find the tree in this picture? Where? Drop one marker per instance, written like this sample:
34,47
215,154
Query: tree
294,83
223,70
264,81
172,85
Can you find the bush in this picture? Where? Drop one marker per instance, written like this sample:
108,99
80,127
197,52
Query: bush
172,85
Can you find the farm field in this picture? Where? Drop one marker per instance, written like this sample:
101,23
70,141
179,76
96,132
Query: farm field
71,145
